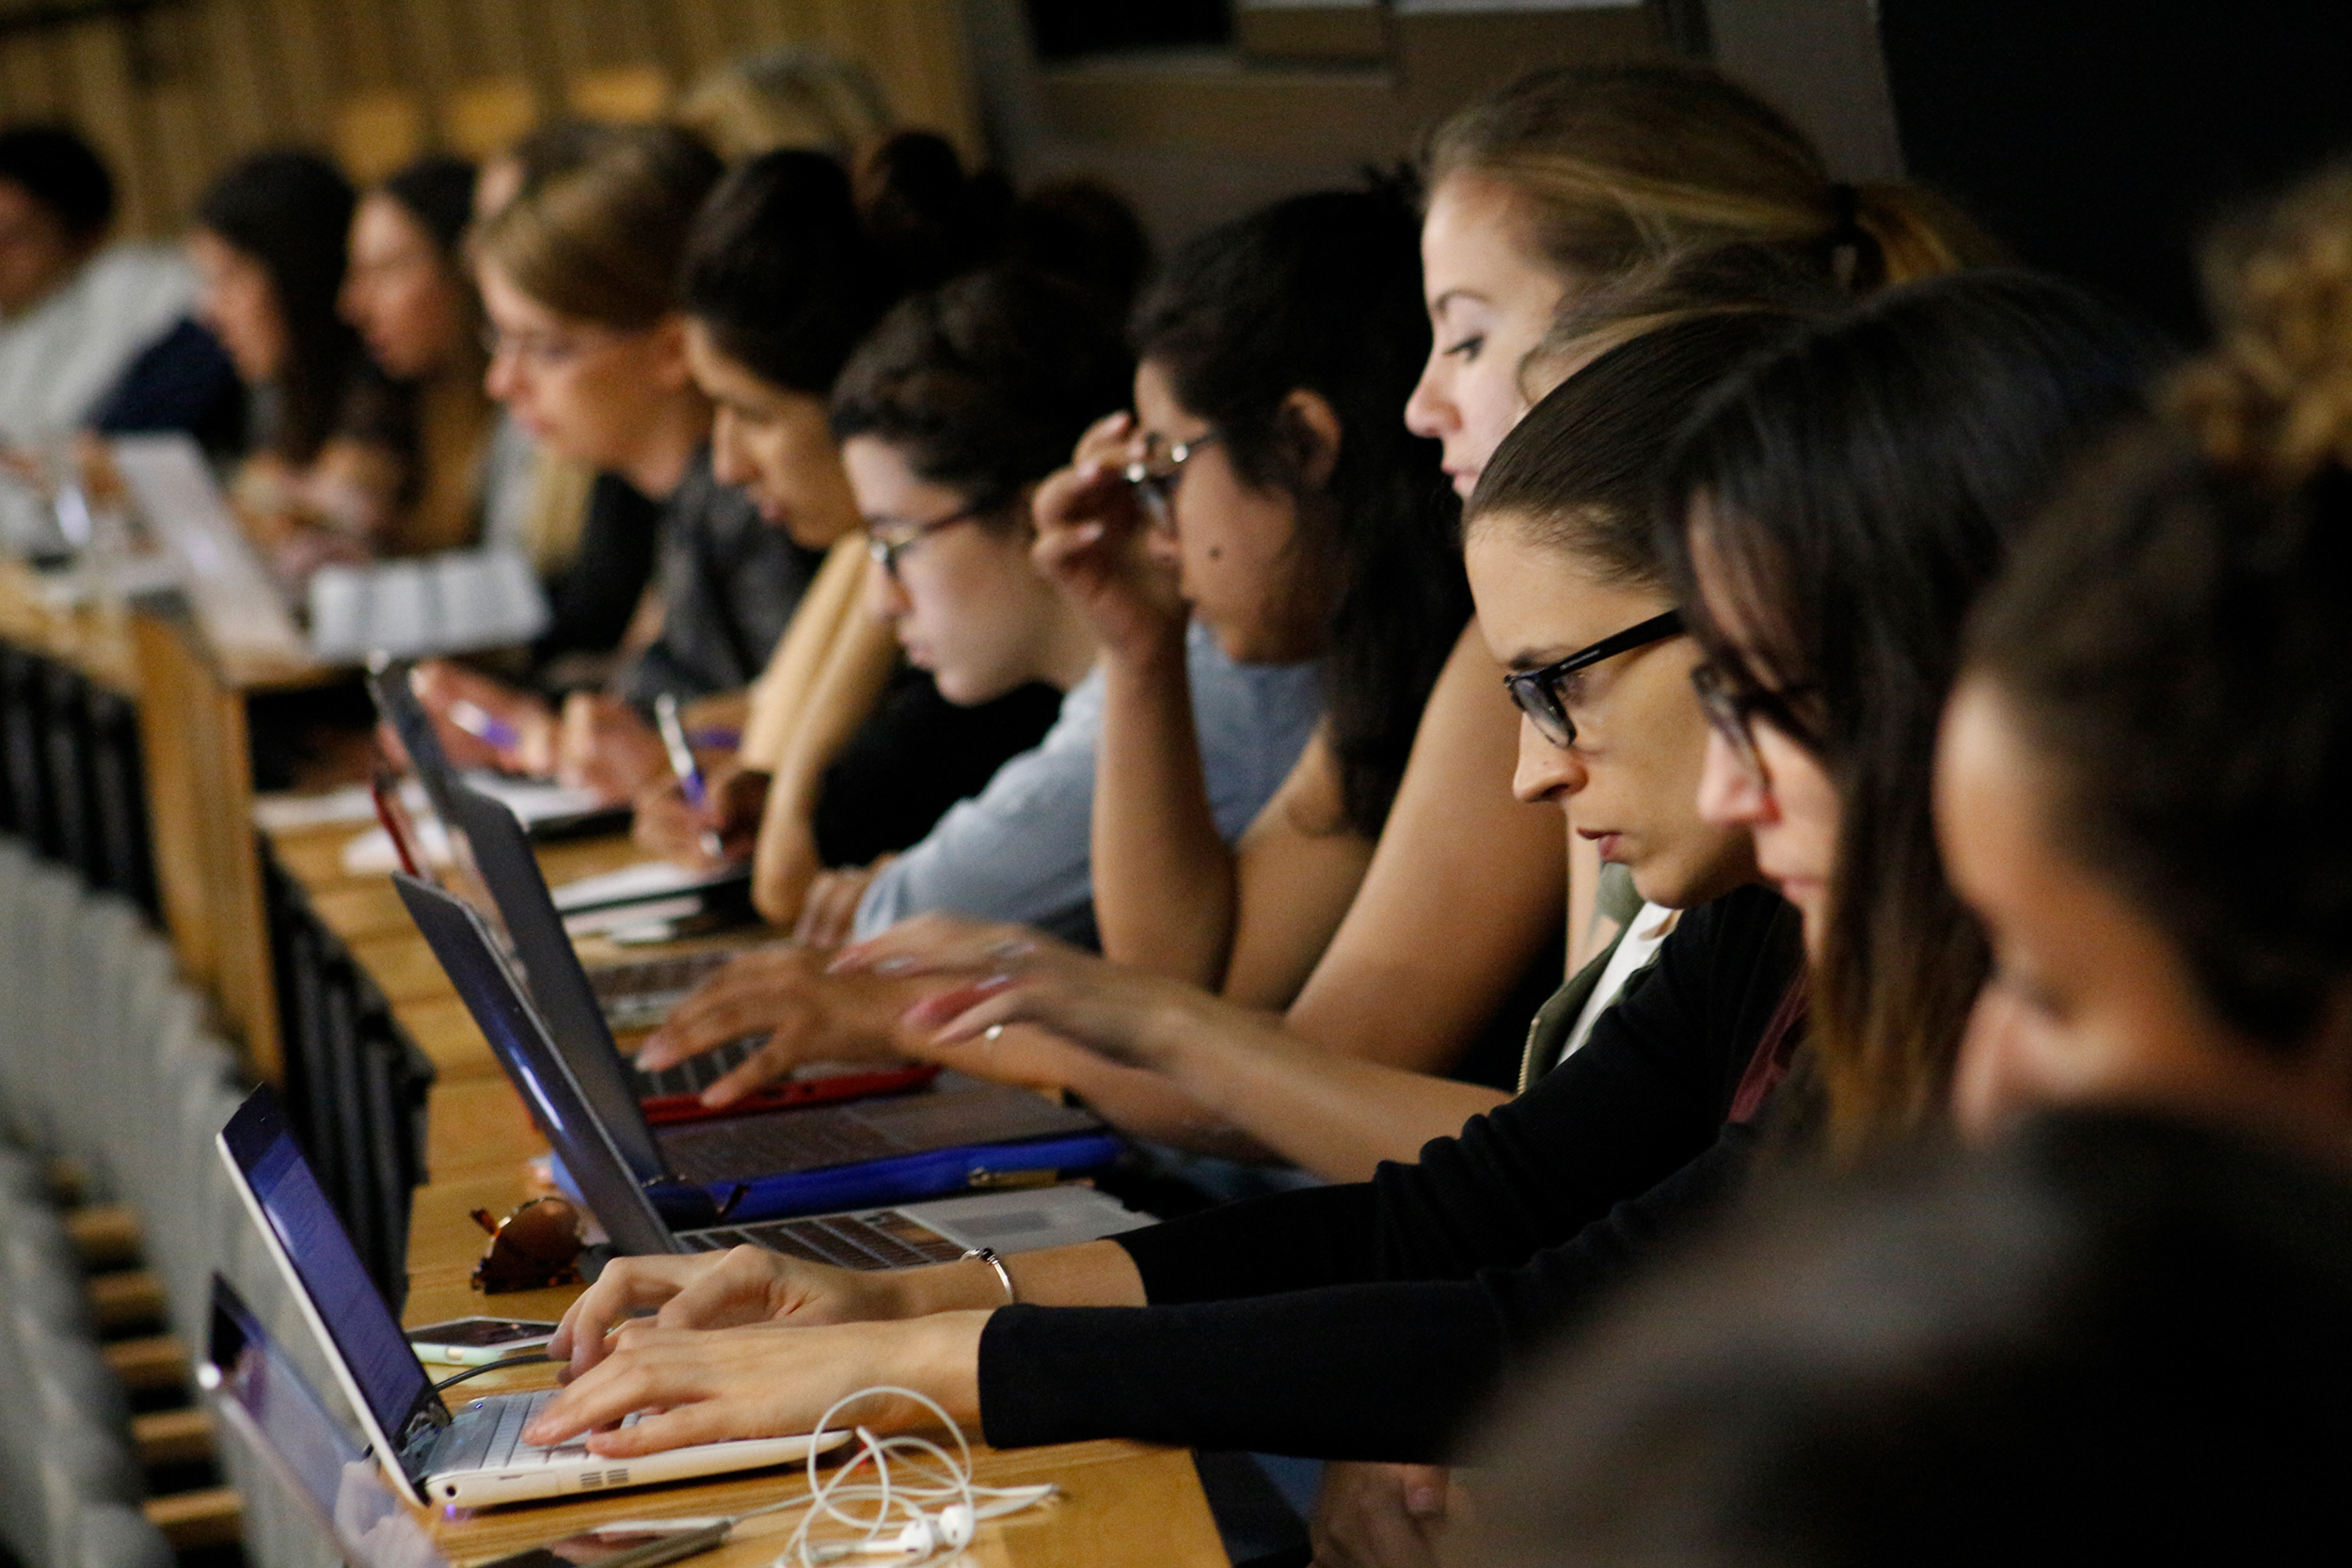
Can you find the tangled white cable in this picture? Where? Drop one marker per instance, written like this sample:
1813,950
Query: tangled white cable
926,1505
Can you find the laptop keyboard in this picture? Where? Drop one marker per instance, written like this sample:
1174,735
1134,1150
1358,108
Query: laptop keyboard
695,1073
640,994
488,1435
797,1140
884,1239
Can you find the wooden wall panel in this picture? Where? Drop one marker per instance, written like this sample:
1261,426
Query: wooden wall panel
176,93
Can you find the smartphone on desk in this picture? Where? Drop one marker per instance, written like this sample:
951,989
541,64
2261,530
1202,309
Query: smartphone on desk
630,1544
471,1341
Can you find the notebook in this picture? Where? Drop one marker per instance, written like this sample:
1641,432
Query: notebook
471,1457
664,1215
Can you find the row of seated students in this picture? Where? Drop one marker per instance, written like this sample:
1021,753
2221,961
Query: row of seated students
1738,453
1941,671
1995,729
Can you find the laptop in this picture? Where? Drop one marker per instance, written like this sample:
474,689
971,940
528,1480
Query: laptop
260,1394
956,1110
636,994
961,1132
471,1457
642,1216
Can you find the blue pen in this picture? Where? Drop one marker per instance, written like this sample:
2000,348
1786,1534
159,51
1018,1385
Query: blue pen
482,724
689,776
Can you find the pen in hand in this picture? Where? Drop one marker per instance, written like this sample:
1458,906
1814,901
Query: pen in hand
689,776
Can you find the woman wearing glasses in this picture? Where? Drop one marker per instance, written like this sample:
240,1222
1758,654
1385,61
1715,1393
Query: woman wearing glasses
1571,595
578,279
1365,1322
846,752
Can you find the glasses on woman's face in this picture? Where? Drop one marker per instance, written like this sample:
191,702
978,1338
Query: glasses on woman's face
548,351
887,549
1546,695
1734,713
1156,473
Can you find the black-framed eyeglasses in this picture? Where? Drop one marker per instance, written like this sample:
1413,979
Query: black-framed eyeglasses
887,551
1156,473
1733,712
1544,695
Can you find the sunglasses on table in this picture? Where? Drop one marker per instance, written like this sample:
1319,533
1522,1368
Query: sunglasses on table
1545,695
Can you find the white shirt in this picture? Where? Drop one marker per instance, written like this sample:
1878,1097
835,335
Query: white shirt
65,353
1648,928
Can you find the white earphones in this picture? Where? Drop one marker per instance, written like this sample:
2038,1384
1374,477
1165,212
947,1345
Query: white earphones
926,1473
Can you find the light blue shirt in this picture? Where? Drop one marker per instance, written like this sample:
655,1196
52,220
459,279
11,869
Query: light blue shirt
1020,850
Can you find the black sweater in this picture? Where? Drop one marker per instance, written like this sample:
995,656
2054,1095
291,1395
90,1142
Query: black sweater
1366,1322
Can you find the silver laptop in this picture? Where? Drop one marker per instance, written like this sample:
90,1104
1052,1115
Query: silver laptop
645,1215
270,1405
472,1456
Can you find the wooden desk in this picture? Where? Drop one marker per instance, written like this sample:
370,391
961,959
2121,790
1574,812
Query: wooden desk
1122,1503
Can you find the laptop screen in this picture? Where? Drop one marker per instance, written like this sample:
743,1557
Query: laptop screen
367,1338
283,1418
462,943
575,1019
397,705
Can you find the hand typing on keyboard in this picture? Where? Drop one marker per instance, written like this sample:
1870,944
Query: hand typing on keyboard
782,992
749,1285
766,1380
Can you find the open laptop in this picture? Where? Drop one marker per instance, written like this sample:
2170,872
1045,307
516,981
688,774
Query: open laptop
956,1110
577,1005
658,1215
785,1162
260,1394
471,1457
636,994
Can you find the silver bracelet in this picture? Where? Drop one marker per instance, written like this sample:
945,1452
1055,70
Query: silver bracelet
1004,1275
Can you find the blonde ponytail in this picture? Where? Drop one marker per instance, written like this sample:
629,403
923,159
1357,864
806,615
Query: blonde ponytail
1622,167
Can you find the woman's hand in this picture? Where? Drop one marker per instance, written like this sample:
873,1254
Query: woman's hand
683,834
829,909
604,747
1004,975
486,723
782,991
767,1380
1380,1515
1094,543
717,1289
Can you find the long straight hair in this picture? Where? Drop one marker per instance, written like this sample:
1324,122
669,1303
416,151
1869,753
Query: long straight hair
1853,494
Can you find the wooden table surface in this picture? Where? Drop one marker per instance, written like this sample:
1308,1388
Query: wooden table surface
1121,1503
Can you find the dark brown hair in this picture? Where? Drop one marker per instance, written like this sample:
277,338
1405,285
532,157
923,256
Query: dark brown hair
2173,647
985,385
1579,475
1853,493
